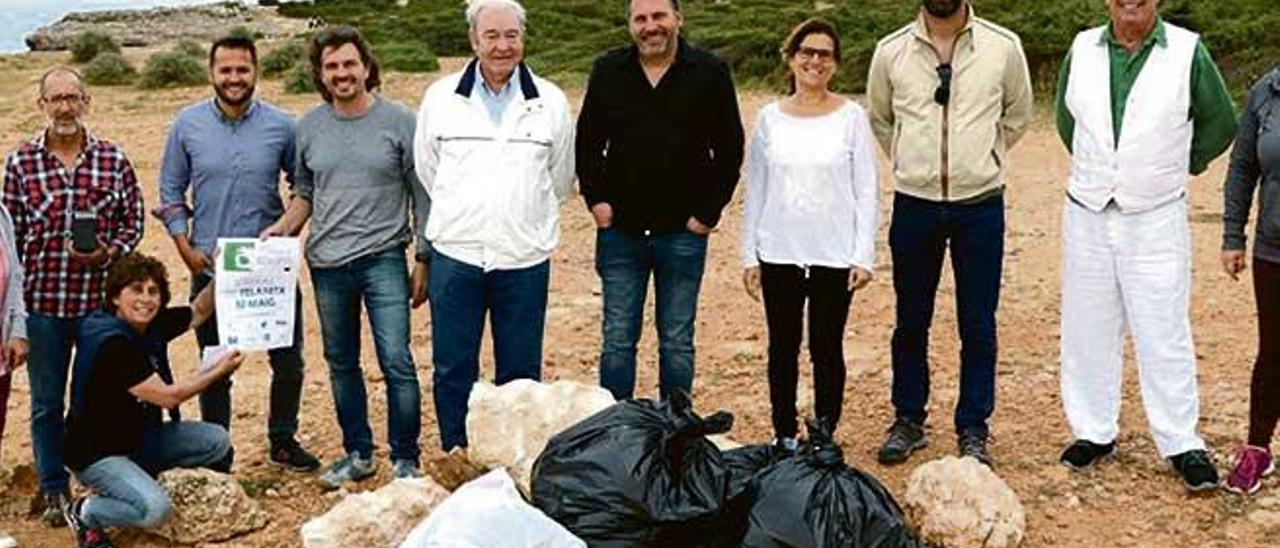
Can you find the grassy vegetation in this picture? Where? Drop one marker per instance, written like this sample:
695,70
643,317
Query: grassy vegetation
109,69
565,35
88,45
175,68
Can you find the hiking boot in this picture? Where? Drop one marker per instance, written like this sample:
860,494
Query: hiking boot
1083,454
405,468
86,537
1252,464
974,444
905,437
347,469
54,508
292,456
1197,470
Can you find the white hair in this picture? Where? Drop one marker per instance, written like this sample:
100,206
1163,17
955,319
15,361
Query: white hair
474,7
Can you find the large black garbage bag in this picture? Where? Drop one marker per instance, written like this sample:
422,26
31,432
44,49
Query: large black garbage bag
815,500
641,474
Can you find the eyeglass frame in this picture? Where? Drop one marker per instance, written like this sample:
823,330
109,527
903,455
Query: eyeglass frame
806,53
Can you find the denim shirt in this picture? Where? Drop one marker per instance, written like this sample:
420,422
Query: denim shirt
1255,163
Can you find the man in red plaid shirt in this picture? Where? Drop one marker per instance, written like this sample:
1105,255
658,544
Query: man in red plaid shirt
64,171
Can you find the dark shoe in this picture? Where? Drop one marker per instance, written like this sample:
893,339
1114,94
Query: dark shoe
54,507
292,456
1083,454
86,537
905,437
350,468
974,444
1197,470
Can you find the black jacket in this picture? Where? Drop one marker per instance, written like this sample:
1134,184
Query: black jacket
659,155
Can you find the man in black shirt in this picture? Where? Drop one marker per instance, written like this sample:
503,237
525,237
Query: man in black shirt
659,148
116,438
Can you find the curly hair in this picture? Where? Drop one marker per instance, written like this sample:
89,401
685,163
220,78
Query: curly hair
132,268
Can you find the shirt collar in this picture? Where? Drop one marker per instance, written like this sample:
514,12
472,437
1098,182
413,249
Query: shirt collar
466,84
91,141
1155,35
483,87
222,117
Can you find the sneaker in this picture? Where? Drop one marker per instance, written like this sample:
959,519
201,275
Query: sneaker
1252,464
905,437
54,507
347,469
974,444
86,537
1197,470
292,456
1083,454
786,446
405,468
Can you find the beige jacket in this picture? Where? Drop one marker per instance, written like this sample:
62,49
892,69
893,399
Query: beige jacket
956,152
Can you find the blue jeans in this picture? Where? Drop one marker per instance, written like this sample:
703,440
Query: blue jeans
51,341
287,369
921,232
624,262
461,294
381,281
126,493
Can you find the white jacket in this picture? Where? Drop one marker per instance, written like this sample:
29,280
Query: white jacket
1149,166
496,191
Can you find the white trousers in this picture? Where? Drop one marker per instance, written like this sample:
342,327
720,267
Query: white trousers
1128,271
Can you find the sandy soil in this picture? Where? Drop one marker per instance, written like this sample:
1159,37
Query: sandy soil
1134,501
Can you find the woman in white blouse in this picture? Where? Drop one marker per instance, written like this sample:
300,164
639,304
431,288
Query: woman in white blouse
810,223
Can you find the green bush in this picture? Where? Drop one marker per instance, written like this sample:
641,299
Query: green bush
241,31
89,44
298,79
109,69
192,48
278,61
168,69
406,57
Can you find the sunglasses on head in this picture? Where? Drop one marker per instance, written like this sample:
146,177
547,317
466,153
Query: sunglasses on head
942,95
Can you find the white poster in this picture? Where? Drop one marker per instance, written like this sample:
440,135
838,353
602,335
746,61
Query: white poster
257,284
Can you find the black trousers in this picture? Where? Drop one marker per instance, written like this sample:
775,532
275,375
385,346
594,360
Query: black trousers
786,288
1264,390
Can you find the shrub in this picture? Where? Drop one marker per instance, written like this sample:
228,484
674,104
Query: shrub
241,31
406,57
278,61
109,69
192,48
173,69
298,79
89,44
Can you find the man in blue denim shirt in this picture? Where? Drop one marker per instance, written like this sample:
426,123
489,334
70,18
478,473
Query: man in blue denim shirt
230,151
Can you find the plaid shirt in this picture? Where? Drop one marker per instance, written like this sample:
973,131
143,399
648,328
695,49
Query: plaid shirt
42,195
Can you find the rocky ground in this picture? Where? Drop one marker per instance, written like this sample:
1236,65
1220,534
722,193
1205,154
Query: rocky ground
1134,501
139,28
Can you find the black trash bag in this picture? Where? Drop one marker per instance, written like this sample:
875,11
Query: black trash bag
641,474
814,500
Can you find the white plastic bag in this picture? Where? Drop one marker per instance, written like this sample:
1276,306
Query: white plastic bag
489,512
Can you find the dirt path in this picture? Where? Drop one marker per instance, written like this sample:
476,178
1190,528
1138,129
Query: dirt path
1135,501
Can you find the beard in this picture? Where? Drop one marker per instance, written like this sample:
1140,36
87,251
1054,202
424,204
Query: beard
65,128
649,49
232,101
942,9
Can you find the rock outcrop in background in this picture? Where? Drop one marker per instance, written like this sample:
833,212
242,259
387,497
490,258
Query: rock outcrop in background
140,28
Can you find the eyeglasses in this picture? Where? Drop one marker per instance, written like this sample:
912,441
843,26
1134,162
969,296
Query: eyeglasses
942,95
64,98
806,53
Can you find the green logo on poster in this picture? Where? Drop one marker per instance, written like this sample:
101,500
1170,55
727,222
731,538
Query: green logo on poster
236,257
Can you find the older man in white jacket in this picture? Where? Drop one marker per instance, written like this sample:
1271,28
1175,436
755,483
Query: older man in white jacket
494,150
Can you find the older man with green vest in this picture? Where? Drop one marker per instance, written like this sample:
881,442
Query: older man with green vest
1140,106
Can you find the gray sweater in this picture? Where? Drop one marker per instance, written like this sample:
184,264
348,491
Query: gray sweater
358,173
1255,162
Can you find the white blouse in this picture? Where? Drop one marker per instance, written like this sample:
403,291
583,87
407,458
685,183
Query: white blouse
812,190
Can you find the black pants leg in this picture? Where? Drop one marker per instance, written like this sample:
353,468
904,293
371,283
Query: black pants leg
783,287
1264,390
829,299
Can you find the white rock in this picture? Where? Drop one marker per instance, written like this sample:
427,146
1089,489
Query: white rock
7,541
488,512
208,506
375,519
509,425
958,503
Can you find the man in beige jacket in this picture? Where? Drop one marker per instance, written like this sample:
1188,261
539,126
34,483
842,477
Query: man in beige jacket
949,94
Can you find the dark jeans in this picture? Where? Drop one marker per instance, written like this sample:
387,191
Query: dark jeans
1264,391
5,382
785,288
381,281
51,341
921,232
461,295
286,378
624,262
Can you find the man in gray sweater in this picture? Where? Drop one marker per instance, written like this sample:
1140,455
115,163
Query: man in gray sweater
356,183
